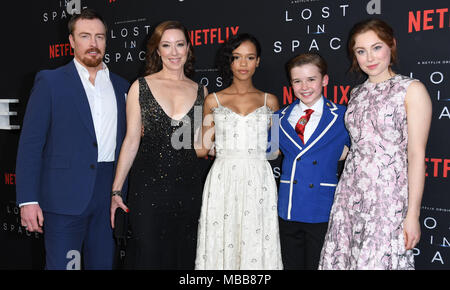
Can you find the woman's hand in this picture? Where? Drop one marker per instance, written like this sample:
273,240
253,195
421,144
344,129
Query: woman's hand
116,202
411,232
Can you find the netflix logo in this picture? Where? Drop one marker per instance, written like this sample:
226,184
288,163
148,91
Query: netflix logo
437,167
338,94
212,35
60,50
428,20
10,178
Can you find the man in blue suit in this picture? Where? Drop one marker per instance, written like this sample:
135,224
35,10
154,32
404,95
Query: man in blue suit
70,141
312,138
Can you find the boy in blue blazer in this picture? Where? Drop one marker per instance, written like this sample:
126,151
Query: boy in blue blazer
312,138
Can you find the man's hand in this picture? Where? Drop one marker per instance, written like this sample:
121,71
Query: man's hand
32,218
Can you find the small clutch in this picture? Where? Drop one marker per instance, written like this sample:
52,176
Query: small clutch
121,226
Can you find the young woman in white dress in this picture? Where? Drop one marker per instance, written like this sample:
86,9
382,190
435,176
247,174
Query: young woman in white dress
238,227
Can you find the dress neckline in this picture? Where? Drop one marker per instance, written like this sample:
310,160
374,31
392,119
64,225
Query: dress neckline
241,115
369,83
162,109
238,114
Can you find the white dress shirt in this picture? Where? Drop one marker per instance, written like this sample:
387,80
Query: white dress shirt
299,110
102,101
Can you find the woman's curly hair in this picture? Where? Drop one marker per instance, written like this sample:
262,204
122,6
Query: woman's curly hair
225,55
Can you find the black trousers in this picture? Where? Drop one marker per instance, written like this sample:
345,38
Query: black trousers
301,244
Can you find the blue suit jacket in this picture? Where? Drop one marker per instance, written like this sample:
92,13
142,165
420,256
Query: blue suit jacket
309,171
57,155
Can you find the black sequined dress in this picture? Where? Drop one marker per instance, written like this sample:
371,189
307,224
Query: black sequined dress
165,188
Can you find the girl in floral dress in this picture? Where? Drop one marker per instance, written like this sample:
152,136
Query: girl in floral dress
374,221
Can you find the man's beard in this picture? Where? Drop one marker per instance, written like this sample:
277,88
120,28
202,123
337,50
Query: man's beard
90,61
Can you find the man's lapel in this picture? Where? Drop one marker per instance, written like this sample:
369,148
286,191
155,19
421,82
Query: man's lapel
287,129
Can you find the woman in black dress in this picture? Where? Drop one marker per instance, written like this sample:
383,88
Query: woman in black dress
165,175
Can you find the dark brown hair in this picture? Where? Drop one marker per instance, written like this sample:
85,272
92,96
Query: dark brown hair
381,29
307,58
154,63
225,54
86,13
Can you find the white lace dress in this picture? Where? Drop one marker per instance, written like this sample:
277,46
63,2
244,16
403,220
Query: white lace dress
238,226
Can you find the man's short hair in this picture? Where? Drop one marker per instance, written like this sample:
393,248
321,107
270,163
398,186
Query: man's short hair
86,13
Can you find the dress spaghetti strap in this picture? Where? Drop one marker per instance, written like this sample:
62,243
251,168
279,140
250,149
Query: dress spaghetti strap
265,99
217,99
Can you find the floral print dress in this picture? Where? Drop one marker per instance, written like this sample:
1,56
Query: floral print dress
371,201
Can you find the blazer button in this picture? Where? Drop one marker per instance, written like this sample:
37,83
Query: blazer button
298,159
92,166
311,185
314,162
294,182
95,144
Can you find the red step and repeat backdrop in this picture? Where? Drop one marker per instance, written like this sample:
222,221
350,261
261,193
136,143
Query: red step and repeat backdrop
35,37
